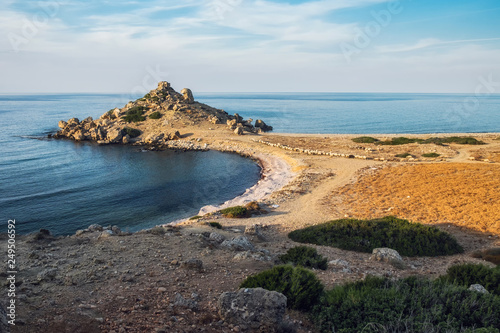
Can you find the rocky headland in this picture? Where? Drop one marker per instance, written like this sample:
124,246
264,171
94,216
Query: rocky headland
185,277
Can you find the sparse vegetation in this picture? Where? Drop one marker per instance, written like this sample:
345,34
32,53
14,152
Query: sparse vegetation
196,217
155,115
409,239
135,114
235,212
431,155
300,286
403,141
304,256
365,139
403,155
406,305
467,274
492,255
132,132
216,225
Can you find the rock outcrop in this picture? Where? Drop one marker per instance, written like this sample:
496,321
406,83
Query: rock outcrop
388,255
162,107
253,308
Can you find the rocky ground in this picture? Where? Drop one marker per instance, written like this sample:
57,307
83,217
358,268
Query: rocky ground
169,279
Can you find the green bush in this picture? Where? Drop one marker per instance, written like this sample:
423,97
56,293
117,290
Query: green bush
155,115
304,256
235,212
407,305
455,139
431,155
404,155
409,239
300,286
135,114
365,139
216,225
132,132
467,274
400,141
196,217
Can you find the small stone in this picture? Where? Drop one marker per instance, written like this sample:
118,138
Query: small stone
162,289
478,288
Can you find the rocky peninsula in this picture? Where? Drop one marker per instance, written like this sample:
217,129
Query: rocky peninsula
181,278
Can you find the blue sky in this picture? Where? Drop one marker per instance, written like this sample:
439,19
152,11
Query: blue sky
247,45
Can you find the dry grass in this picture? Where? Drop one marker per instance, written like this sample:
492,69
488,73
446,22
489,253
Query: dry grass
464,194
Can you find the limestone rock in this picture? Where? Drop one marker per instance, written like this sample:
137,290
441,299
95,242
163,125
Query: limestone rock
253,308
216,237
62,124
163,85
73,122
115,135
478,288
188,95
240,243
263,126
238,131
258,255
388,255
182,302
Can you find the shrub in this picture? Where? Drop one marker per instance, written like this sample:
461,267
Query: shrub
157,230
491,255
300,286
196,217
455,139
235,212
134,114
409,239
155,115
132,132
407,305
404,155
216,225
431,155
304,256
400,141
467,274
365,139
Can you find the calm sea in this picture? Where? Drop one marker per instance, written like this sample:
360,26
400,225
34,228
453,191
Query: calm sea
64,186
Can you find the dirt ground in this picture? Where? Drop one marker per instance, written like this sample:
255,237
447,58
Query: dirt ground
93,282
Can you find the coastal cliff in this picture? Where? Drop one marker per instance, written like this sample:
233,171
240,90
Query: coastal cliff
156,118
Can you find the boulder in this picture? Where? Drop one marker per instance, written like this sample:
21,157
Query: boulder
163,85
78,135
259,123
194,264
231,122
115,135
478,288
240,243
216,237
238,131
188,95
238,118
182,302
253,308
388,255
73,122
62,124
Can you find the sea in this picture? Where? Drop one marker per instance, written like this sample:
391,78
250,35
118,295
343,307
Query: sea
64,186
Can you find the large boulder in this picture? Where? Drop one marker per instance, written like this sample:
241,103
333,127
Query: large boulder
115,135
253,308
478,288
240,243
263,126
188,95
388,255
62,124
238,131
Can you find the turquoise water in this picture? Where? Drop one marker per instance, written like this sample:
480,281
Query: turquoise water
64,186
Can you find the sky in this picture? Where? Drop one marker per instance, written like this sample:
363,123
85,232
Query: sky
446,46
